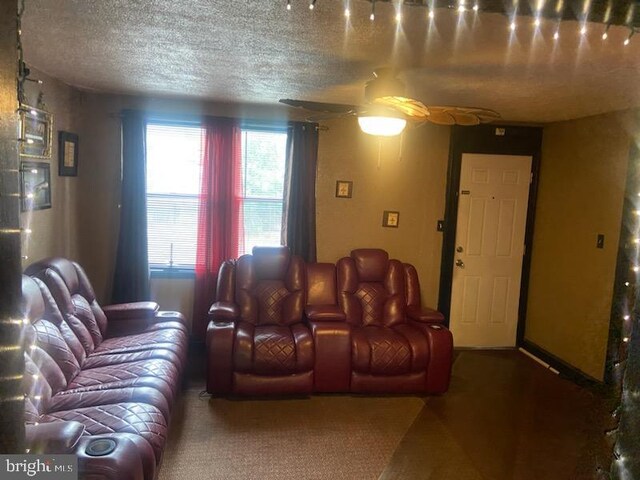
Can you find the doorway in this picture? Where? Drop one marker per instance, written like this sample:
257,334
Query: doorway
489,216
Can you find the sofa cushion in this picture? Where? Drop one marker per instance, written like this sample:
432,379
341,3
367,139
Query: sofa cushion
388,351
144,420
103,376
273,350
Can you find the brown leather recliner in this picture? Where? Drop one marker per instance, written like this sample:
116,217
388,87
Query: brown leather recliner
391,352
257,341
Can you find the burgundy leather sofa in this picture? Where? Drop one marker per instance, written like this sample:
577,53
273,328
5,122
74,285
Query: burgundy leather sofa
279,326
98,377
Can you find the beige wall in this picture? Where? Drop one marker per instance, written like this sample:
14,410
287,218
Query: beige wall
580,195
414,185
54,230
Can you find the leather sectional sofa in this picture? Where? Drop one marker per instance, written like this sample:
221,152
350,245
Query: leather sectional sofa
280,326
98,379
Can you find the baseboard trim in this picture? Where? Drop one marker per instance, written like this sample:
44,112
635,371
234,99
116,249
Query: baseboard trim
563,369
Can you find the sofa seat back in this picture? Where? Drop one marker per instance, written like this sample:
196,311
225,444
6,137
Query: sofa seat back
75,297
371,288
270,287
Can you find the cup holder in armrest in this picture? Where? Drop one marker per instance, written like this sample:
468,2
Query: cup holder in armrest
436,327
101,447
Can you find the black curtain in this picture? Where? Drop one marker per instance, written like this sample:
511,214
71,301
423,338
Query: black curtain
131,277
299,215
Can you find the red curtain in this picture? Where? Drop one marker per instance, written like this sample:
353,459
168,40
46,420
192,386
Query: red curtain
220,234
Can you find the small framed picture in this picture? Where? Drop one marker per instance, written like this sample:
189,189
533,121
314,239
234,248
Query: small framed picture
67,154
390,219
35,132
344,189
35,186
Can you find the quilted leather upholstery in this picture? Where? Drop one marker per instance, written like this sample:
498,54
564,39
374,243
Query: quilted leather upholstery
270,345
77,369
144,420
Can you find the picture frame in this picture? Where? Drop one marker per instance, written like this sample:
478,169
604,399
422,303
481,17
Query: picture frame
344,189
67,154
36,127
390,219
35,186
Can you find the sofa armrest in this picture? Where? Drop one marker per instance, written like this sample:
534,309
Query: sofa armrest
224,312
440,361
424,314
131,311
332,343
324,313
219,343
55,437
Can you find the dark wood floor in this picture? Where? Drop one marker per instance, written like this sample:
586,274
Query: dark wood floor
504,418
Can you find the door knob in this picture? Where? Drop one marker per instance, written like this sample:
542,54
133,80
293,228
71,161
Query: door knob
459,249
459,263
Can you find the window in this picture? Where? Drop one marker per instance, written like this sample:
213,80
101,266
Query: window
263,165
174,166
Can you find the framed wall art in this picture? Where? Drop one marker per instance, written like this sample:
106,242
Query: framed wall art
35,132
67,154
35,186
390,219
344,189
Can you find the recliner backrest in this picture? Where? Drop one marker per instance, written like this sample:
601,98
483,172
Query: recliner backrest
53,354
75,297
371,288
270,286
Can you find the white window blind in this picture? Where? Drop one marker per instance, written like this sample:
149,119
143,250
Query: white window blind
174,165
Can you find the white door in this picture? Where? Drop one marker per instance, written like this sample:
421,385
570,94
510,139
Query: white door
492,214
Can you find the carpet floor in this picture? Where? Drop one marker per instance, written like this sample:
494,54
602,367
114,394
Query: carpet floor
323,437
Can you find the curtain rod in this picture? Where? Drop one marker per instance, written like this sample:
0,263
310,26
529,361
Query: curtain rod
197,118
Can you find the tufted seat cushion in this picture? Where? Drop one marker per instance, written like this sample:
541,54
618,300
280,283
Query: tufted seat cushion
141,419
387,351
273,349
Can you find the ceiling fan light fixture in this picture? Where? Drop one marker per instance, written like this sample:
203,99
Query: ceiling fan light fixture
383,126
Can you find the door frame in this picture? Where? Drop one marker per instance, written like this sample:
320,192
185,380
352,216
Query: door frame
484,139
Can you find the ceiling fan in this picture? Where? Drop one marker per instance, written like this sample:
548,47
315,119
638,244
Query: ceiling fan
387,111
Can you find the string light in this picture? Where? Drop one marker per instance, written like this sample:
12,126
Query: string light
605,35
372,17
583,30
628,39
312,4
556,35
476,7
347,12
432,14
536,22
398,17
288,4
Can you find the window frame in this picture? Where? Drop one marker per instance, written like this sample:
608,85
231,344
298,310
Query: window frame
182,272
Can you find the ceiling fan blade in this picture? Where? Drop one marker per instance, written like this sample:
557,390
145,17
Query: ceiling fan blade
441,116
413,109
326,116
466,116
336,108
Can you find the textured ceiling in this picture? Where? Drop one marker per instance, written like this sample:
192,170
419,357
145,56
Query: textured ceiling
251,51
